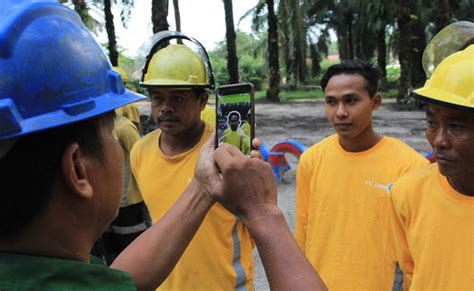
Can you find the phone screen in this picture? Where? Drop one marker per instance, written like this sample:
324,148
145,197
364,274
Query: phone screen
235,116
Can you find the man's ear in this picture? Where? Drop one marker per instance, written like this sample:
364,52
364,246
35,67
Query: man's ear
377,101
74,171
203,100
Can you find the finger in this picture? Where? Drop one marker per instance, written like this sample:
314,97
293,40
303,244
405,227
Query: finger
256,143
226,155
210,142
254,154
233,150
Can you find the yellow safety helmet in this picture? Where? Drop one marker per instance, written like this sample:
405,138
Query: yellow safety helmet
122,73
176,65
452,82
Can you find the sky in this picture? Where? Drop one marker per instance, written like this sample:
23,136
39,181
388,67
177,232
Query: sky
201,19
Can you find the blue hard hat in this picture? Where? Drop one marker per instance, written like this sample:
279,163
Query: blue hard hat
52,70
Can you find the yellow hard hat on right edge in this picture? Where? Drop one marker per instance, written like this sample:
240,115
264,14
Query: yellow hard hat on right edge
452,82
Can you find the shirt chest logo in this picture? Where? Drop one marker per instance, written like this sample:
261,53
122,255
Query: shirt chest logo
372,184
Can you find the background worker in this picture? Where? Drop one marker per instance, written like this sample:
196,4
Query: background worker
342,206
220,257
62,170
433,208
129,111
246,124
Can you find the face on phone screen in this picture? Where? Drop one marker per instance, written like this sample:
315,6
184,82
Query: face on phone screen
234,120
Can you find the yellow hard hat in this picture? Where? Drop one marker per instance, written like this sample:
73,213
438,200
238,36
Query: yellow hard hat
452,82
122,73
176,65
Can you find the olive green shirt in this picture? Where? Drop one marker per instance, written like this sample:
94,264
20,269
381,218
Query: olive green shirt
24,272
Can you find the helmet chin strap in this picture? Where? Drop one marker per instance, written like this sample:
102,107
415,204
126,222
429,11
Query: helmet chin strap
6,145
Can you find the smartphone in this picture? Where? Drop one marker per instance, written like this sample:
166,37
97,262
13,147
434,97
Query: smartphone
235,118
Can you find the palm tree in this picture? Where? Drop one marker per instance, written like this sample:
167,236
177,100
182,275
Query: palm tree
177,16
273,59
232,60
82,8
159,13
110,27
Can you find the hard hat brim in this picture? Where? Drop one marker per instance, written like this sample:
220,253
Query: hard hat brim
99,105
442,98
166,83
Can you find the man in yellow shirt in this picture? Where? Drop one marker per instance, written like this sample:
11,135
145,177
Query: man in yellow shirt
342,206
235,135
433,208
220,257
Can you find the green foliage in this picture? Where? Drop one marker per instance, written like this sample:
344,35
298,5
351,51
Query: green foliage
293,95
252,60
393,73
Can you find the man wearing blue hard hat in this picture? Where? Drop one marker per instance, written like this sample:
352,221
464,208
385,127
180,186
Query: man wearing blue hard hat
62,170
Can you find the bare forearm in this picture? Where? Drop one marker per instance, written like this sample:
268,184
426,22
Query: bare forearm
153,255
285,265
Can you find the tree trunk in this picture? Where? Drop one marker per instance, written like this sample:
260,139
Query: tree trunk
315,60
343,44
284,24
232,60
418,46
110,28
177,15
159,13
404,50
442,14
382,54
273,60
299,56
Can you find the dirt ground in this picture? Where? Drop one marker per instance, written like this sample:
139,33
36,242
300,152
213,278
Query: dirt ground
305,122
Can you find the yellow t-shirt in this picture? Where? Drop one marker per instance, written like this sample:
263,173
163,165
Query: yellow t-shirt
433,225
131,112
127,135
220,256
209,115
237,138
343,211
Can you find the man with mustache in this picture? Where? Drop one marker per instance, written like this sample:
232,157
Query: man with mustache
342,205
220,257
433,208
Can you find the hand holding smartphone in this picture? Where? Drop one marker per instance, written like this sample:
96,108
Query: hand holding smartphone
235,118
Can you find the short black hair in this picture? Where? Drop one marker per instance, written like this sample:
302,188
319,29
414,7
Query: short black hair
234,113
355,67
29,170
